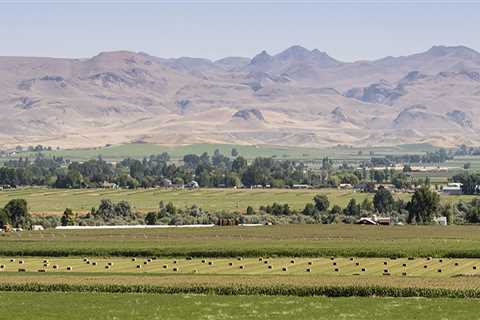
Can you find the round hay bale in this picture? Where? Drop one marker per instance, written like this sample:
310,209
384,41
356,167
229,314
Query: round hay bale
195,271
385,270
242,267
88,262
22,270
210,263
204,261
55,266
385,263
332,258
334,263
12,260
230,264
94,263
149,260
440,260
174,261
165,266
69,268
310,263
270,267
145,262
404,265
429,258
266,261
474,267
404,273
260,259
175,269
456,264
85,259
439,270
45,261
351,259
45,265
336,269
21,262
139,266
107,267
239,258
189,258
110,264
308,270
364,269
357,264
292,261
134,259
284,269
425,266
2,266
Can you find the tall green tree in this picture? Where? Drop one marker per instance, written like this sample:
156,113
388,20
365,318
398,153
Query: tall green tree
383,200
321,202
17,211
423,206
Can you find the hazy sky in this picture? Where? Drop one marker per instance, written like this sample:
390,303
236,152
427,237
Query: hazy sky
348,31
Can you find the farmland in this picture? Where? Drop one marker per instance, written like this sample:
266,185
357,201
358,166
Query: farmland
406,267
17,305
227,268
280,240
43,200
141,150
54,201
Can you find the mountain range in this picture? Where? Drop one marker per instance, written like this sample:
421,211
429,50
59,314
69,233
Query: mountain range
298,97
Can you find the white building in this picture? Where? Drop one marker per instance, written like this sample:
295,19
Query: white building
454,188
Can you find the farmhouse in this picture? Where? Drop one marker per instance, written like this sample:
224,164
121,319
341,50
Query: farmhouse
453,188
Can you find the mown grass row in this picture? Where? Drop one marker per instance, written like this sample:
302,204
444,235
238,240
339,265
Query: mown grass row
328,291
260,252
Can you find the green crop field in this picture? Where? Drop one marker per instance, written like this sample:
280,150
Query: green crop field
141,150
280,240
54,201
40,306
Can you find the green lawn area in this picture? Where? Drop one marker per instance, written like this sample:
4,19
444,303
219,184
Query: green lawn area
86,306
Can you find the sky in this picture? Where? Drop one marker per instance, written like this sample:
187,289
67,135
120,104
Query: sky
347,30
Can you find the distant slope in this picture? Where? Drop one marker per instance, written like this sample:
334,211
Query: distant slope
297,97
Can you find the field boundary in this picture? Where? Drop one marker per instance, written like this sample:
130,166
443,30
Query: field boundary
280,290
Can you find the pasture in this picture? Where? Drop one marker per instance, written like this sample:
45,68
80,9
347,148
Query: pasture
46,201
40,306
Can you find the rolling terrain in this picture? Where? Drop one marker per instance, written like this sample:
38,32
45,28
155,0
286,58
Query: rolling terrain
298,97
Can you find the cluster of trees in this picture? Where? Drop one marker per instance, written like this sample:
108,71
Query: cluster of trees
16,214
437,156
469,182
